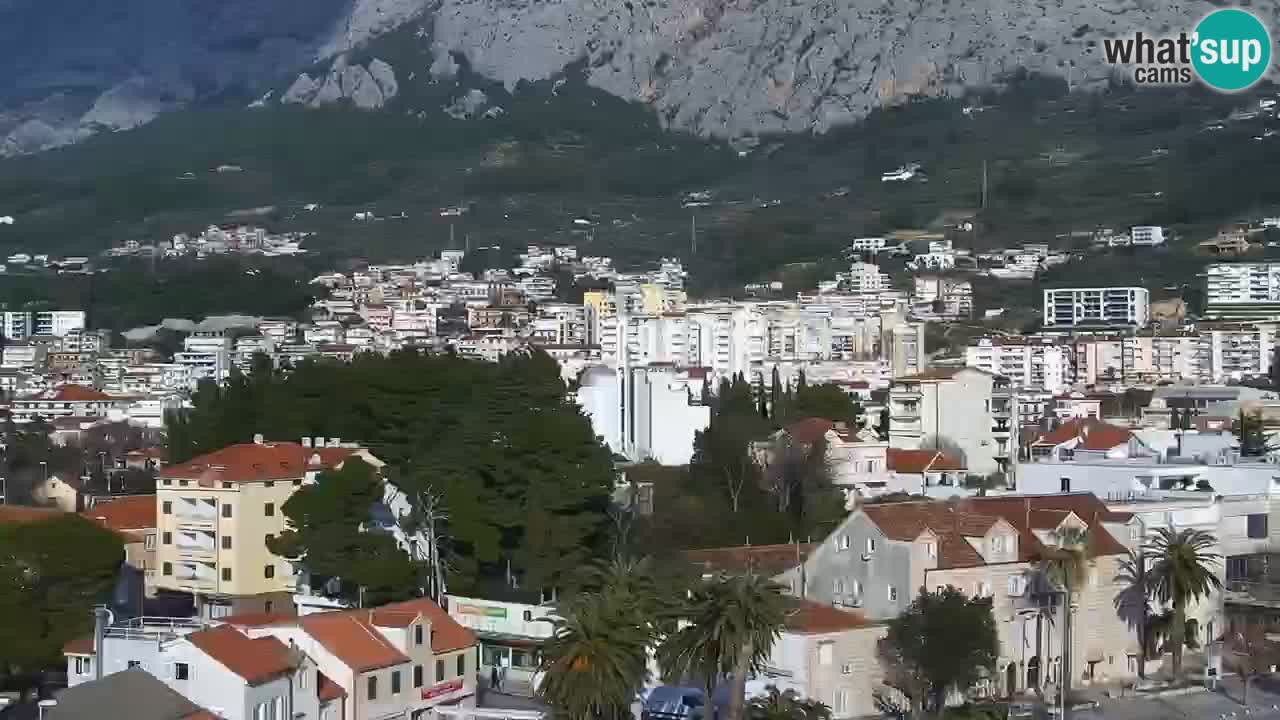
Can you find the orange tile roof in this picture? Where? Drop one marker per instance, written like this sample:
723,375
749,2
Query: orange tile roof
767,559
68,393
916,462
251,462
258,619
135,512
810,617
1093,434
809,430
15,514
352,639
447,634
256,660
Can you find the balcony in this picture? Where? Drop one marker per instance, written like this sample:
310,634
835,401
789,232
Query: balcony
1252,593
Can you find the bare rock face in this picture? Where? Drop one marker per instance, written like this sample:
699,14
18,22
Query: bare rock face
745,67
368,88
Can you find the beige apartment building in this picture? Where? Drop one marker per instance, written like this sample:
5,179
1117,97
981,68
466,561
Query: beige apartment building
216,512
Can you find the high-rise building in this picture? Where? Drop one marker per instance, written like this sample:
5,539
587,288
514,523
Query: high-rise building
1242,291
1110,306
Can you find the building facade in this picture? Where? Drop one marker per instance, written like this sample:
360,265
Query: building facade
1072,307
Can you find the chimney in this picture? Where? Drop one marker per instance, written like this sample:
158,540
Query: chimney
257,438
306,442
102,618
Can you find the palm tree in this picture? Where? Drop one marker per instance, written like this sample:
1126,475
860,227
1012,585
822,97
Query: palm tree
596,660
732,623
786,705
1133,603
1065,567
1183,572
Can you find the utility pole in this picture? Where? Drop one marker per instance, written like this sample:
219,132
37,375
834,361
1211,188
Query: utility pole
693,234
984,183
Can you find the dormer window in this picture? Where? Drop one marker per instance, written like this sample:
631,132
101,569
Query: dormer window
844,542
931,548
998,545
417,634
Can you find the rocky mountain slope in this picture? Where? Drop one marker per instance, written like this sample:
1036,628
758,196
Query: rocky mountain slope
721,68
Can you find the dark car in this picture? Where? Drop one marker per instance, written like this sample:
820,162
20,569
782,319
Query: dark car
668,702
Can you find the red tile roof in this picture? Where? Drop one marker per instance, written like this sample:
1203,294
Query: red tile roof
352,639
972,517
256,660
916,462
328,690
14,514
68,393
809,430
447,634
1093,434
258,619
765,559
135,512
810,617
251,462
79,646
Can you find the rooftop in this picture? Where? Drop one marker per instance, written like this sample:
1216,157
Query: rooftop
771,559
134,512
256,462
255,660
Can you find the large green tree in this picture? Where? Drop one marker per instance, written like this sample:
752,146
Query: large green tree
327,534
52,573
524,481
1183,572
732,623
942,641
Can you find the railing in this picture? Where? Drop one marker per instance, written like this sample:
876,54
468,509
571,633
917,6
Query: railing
152,627
1247,590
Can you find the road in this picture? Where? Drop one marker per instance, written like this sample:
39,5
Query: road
1264,704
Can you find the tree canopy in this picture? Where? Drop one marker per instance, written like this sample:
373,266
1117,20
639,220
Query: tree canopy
524,480
52,573
943,640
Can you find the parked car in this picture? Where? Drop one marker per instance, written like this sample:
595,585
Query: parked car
669,702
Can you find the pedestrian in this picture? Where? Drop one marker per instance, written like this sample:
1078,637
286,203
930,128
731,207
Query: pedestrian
493,678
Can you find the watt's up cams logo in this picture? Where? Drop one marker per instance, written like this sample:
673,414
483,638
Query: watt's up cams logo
1229,50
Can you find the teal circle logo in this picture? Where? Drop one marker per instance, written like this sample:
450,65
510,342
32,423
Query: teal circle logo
1231,49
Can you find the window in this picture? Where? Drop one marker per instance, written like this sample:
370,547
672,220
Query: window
417,634
168,568
269,483
226,486
302,679
167,538
844,542
226,574
268,606
181,671
166,507
846,669
462,665
870,545
226,542
226,510
1015,585
266,539
417,676
269,509
183,483
1064,484
1258,526
839,586
931,548
439,670
826,653
528,616
893,594
168,482
150,542
997,545
84,665
132,664
297,483
395,682
984,589
373,687
1135,532
269,571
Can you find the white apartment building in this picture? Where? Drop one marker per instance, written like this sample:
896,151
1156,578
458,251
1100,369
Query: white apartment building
868,244
934,296
1242,291
1164,357
903,348
646,413
1231,351
207,354
728,338
1033,363
866,277
22,325
1071,307
963,411
1146,235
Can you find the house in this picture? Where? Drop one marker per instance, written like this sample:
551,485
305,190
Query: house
392,661
883,554
58,490
926,472
829,655
131,695
133,518
216,511
964,411
1088,439
65,401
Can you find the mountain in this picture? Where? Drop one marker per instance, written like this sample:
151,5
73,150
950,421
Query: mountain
716,68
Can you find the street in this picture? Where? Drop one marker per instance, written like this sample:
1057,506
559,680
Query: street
1264,704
